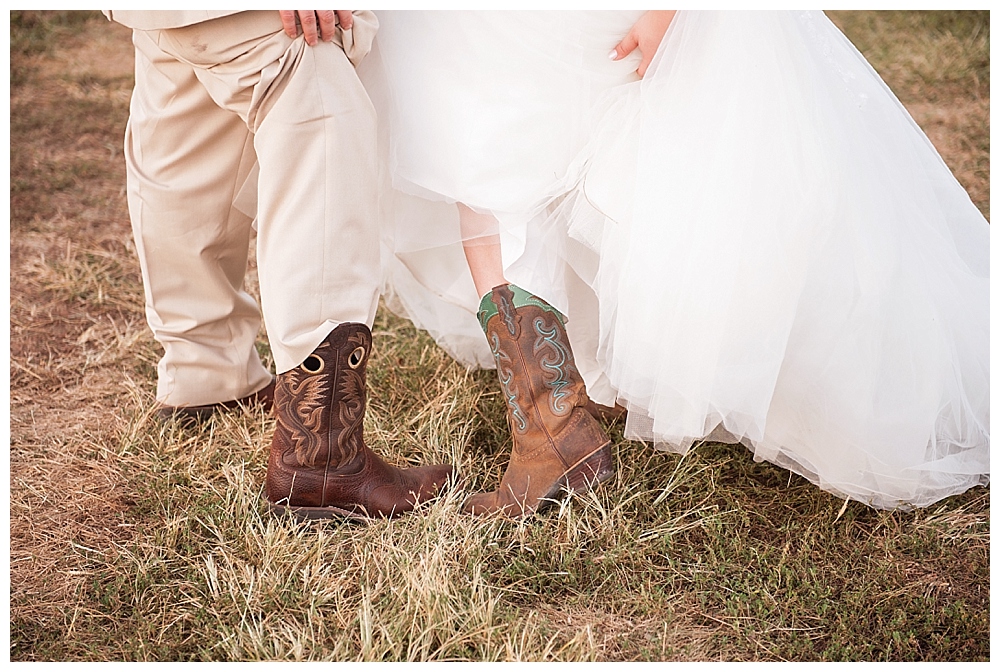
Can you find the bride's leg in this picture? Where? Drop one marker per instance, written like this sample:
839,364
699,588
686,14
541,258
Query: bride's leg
557,442
481,241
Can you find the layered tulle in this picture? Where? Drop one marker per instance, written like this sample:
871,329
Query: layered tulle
754,243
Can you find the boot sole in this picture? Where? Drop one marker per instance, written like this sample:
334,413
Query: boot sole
315,513
305,514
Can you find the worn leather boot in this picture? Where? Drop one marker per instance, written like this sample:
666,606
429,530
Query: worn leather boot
319,466
557,443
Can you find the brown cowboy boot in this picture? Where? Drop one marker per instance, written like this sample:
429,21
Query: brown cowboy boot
319,465
557,443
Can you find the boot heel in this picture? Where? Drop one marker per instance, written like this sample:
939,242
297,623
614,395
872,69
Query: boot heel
596,468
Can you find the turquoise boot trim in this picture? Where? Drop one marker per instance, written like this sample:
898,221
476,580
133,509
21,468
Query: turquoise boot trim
487,308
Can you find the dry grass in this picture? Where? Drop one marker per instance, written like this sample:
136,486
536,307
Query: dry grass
133,540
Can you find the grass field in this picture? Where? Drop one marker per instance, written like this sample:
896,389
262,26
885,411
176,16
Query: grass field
134,540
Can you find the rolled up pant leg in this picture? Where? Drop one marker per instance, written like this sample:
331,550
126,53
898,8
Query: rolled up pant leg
314,135
185,160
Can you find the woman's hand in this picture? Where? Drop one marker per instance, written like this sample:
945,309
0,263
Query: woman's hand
315,22
646,34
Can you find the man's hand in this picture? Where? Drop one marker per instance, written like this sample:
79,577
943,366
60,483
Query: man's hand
646,34
315,23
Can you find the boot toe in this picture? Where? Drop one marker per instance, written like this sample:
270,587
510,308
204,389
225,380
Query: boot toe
480,504
432,480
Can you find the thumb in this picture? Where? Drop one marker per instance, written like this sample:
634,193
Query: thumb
624,48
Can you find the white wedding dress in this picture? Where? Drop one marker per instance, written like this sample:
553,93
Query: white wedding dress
753,243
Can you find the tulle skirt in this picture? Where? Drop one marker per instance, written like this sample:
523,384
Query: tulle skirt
754,243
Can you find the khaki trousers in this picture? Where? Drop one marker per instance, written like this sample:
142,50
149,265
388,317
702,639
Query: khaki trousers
210,101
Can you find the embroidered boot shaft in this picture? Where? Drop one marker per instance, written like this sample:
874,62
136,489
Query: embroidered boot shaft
319,466
557,443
